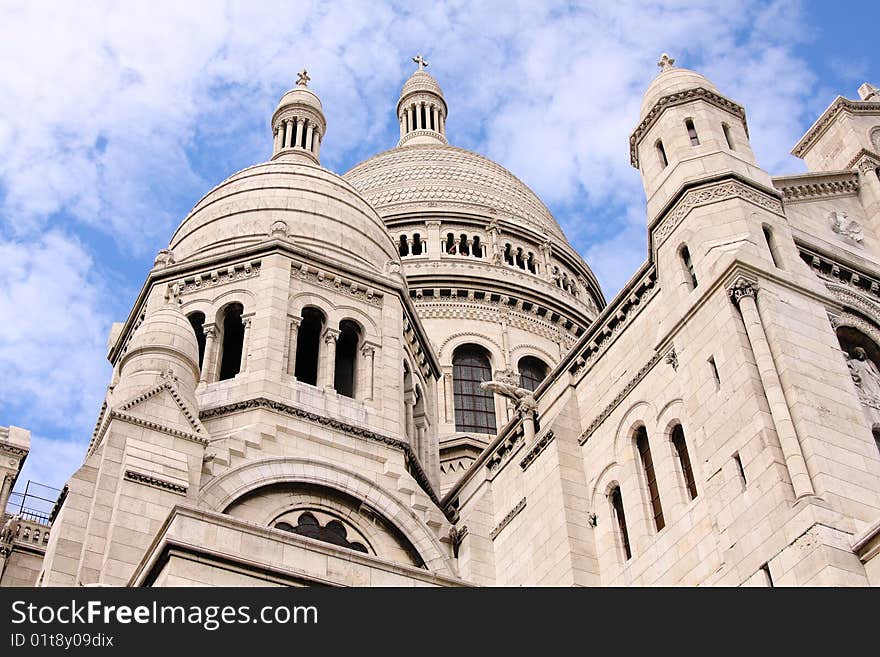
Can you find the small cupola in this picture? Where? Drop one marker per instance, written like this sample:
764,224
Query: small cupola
298,124
421,110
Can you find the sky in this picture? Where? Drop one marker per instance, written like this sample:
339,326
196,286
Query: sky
115,118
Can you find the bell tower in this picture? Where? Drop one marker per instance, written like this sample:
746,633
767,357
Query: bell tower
421,109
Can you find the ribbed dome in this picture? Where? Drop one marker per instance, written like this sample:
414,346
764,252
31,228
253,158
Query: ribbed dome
319,211
670,81
435,177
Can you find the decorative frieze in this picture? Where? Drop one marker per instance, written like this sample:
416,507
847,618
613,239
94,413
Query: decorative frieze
837,107
155,482
841,275
514,512
213,278
539,446
505,449
822,185
329,280
711,193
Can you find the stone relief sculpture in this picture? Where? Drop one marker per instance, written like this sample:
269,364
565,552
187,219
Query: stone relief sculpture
842,225
522,398
865,374
7,534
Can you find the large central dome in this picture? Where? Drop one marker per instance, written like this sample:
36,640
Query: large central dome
435,177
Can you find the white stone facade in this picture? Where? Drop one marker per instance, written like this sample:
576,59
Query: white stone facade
296,400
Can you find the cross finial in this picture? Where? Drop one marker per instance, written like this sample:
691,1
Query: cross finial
421,61
666,62
302,78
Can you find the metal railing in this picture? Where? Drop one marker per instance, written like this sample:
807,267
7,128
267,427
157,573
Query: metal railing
35,503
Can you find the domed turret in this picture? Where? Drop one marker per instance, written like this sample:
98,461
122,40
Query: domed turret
688,131
163,345
421,109
298,124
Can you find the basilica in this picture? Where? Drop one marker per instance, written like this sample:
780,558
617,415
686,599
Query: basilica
405,375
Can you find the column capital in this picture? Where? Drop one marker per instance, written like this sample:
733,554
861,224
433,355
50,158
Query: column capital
741,288
294,320
210,330
368,349
330,335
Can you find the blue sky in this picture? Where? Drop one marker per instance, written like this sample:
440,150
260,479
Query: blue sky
115,118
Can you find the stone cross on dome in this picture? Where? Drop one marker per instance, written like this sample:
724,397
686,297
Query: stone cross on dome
666,62
302,78
421,61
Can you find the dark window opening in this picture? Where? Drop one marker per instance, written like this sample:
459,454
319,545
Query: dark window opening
740,470
617,505
650,476
508,254
714,369
688,267
474,407
727,136
403,247
684,460
450,243
346,358
302,139
692,132
333,532
876,432
463,245
233,341
531,372
661,154
477,247
308,339
417,245
197,320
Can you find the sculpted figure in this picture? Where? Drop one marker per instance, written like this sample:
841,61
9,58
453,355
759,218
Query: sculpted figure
522,397
8,531
864,372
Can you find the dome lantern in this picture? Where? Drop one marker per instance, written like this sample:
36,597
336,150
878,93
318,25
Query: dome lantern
298,124
421,110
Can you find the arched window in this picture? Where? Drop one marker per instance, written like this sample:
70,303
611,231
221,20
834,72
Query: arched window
334,532
530,262
417,245
684,460
478,248
233,341
620,519
727,136
308,340
650,476
450,244
346,357
692,132
531,372
474,407
508,255
771,245
197,320
690,274
661,154
403,246
463,244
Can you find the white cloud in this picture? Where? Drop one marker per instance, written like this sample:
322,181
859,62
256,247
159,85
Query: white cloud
51,462
53,337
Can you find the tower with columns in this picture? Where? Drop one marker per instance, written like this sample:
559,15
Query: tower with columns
405,375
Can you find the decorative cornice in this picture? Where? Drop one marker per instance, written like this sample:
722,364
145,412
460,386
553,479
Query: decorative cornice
536,450
505,449
350,429
319,277
155,482
710,193
155,426
833,272
680,98
828,117
213,278
422,133
514,512
864,160
632,383
817,185
12,450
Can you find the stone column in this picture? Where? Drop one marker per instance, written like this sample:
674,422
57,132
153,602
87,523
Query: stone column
409,403
434,116
279,132
300,123
410,114
442,124
309,131
743,294
316,138
246,321
5,490
369,354
291,344
206,375
449,395
419,125
402,125
327,359
546,250
288,128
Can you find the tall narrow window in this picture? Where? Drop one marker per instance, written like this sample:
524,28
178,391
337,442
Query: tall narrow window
346,357
727,136
417,245
688,267
771,245
692,132
403,246
768,578
308,339
531,372
620,517
463,245
197,320
661,154
650,476
684,460
714,369
233,341
450,243
740,470
876,432
478,248
474,407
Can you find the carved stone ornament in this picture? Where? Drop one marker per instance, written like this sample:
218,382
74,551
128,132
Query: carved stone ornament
843,225
741,289
165,258
865,375
278,229
672,359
